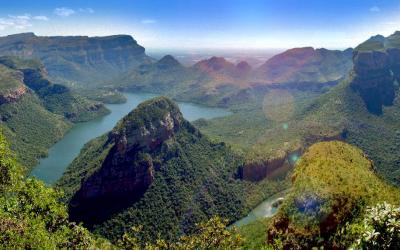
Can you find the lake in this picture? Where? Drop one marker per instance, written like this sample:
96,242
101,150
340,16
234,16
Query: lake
61,154
264,210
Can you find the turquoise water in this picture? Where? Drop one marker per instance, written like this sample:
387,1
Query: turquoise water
63,152
263,210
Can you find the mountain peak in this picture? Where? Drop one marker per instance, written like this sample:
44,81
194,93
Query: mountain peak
218,61
300,51
243,65
19,36
214,64
149,125
25,34
168,60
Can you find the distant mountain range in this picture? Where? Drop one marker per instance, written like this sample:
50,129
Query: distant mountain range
119,62
306,65
78,60
216,81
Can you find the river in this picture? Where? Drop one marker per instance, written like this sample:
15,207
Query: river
61,154
264,210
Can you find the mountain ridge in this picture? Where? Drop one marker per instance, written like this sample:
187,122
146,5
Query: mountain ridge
76,60
153,152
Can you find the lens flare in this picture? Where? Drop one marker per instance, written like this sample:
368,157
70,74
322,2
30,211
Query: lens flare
278,105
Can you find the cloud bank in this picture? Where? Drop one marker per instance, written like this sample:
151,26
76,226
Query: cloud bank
64,12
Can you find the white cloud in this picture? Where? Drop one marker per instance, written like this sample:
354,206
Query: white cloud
15,22
87,10
64,12
24,17
375,9
148,21
41,18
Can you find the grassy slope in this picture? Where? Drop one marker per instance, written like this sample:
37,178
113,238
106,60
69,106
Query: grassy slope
332,184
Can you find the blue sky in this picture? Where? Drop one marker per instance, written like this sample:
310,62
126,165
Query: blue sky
180,24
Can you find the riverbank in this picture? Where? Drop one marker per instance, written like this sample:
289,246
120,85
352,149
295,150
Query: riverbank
62,153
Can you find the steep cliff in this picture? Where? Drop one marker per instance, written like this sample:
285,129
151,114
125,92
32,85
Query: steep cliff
34,112
12,88
78,59
56,98
377,71
153,169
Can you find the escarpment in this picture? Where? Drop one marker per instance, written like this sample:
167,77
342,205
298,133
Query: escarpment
13,95
376,71
78,59
128,169
153,159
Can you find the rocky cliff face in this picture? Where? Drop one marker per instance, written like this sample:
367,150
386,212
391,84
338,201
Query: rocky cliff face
55,97
153,169
79,58
128,169
13,95
374,80
376,68
258,169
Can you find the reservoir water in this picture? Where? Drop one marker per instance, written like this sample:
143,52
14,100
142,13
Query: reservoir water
64,152
265,209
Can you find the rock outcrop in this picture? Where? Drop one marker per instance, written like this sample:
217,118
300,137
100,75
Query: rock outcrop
376,70
128,169
13,95
153,162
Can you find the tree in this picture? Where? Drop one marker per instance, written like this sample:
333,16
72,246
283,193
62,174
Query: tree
381,228
212,234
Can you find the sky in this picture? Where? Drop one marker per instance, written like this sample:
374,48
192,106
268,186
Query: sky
208,24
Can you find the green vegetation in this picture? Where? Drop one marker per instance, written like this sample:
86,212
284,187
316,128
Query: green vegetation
36,113
60,100
380,228
10,80
30,215
56,98
254,234
339,113
193,177
103,95
332,185
209,235
31,128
